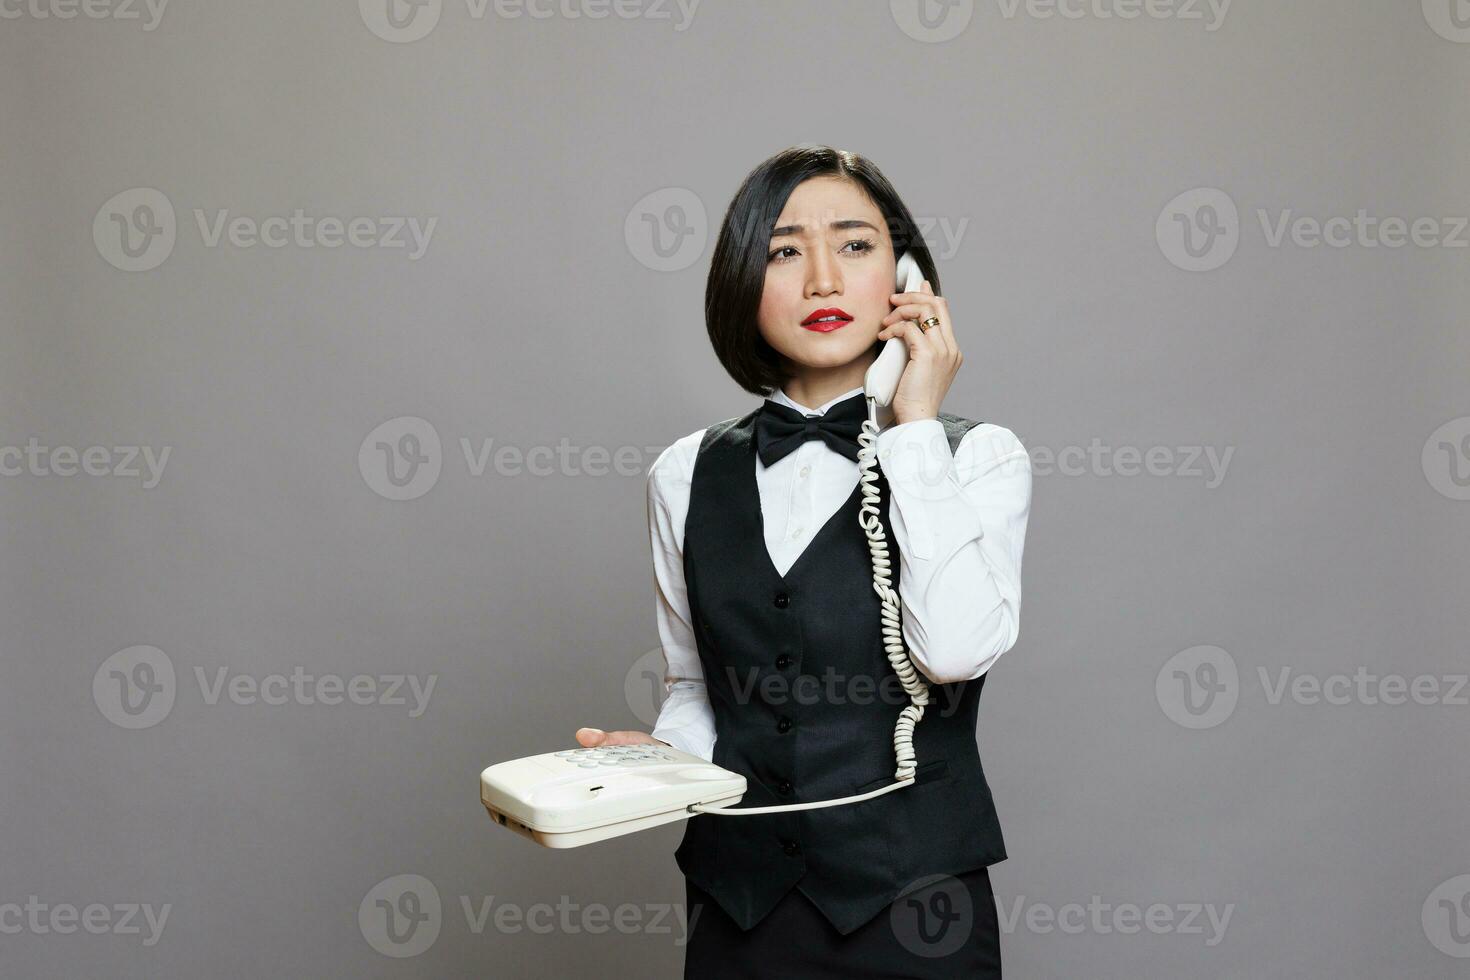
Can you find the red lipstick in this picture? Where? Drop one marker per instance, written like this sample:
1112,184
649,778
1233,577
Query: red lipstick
826,320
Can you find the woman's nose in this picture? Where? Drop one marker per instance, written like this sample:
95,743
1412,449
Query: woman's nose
824,277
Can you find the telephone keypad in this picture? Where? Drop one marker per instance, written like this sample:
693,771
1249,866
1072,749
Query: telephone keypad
614,755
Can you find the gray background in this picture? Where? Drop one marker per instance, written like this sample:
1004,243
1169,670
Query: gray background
1329,545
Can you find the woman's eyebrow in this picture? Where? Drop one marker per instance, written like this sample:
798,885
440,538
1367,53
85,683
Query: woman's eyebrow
843,225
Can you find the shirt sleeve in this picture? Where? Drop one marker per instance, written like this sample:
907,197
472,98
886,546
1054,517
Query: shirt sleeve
960,523
686,720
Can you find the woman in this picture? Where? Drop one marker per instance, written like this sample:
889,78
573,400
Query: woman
767,609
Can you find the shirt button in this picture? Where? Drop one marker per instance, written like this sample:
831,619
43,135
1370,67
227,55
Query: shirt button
784,787
782,662
784,725
798,532
805,470
789,846
782,600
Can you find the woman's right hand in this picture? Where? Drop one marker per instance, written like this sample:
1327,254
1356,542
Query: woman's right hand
589,737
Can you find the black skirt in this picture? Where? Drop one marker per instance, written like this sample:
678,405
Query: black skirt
948,928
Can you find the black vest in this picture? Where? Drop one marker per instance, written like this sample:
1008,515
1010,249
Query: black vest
805,703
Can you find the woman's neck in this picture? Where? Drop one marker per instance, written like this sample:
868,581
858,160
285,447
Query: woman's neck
812,386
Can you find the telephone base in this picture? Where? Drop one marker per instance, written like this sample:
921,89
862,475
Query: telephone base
591,835
577,796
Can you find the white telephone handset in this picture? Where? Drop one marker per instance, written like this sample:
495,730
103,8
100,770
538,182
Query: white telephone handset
577,796
881,382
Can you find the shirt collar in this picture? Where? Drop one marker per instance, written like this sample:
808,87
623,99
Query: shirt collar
780,397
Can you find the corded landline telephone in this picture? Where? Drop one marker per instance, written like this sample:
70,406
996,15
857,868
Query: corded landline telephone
577,796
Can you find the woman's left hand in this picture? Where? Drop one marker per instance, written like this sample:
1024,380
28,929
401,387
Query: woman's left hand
934,357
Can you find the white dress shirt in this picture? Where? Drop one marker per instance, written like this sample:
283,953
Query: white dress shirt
958,521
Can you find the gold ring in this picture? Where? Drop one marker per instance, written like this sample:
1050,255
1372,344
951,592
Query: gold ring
932,321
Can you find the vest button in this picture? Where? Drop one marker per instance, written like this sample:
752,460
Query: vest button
783,661
789,846
782,600
784,787
784,725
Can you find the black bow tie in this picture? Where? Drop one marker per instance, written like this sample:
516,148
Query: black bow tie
779,429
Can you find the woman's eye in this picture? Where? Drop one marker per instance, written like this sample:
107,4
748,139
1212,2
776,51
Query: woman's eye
863,245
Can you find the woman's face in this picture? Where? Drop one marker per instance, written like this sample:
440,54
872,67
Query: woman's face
830,255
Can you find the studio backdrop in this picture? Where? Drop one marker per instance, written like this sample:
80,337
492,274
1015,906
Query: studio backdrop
336,342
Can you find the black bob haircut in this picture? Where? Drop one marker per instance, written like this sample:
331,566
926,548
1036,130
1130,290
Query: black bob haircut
737,272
